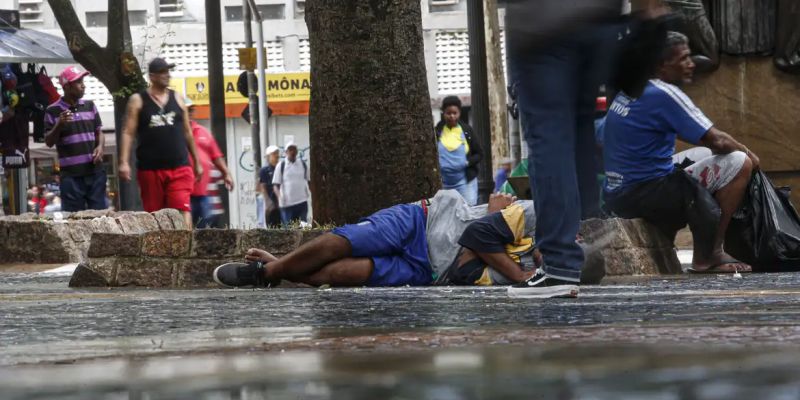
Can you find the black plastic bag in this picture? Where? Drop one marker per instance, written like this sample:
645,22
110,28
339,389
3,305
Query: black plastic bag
765,231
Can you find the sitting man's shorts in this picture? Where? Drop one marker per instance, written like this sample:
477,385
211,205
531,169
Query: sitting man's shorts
716,171
395,240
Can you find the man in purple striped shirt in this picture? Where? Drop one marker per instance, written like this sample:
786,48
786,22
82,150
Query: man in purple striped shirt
73,126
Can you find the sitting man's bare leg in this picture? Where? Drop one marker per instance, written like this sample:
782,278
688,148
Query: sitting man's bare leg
729,198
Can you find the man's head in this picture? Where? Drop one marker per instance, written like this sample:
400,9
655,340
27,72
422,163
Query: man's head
71,80
676,66
273,154
291,151
451,110
159,72
189,107
506,164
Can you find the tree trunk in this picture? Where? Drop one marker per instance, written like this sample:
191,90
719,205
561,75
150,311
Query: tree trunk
371,125
498,114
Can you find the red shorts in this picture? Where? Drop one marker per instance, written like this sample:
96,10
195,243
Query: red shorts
166,188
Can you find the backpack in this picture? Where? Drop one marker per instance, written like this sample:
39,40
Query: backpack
49,92
26,85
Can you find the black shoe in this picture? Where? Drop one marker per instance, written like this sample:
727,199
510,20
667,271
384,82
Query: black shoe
540,286
238,274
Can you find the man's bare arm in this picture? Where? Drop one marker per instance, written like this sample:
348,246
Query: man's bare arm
501,262
722,143
128,135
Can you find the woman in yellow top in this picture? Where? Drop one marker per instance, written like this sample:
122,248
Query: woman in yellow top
459,151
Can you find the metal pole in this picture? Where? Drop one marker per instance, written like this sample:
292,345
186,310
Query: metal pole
216,87
262,76
480,94
252,94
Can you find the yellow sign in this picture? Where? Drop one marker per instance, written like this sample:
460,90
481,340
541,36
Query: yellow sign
283,87
178,85
247,58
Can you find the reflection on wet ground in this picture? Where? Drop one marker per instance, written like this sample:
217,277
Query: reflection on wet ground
695,337
533,372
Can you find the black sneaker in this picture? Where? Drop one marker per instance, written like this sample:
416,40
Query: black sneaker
238,274
540,286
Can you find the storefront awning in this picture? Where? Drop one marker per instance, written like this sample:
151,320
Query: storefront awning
19,45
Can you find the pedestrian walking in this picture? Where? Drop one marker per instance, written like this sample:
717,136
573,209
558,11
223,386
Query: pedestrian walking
272,213
290,184
73,126
558,58
459,151
159,122
211,157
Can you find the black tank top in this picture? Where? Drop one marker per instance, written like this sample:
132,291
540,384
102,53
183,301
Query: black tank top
160,135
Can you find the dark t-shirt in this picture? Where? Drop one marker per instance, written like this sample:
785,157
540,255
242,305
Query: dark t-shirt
265,177
489,234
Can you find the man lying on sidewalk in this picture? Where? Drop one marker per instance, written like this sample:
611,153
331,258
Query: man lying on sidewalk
641,178
408,244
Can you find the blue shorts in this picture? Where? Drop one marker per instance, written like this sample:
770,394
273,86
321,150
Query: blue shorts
395,240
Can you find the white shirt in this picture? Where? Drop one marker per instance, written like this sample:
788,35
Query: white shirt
293,181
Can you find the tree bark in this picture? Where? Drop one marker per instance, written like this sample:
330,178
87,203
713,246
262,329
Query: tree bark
114,65
371,125
498,114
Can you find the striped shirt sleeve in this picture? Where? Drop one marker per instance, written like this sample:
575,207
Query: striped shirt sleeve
51,117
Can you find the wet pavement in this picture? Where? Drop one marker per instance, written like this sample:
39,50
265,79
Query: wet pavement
698,337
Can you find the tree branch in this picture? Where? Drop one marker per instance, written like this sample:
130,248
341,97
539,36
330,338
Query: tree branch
83,48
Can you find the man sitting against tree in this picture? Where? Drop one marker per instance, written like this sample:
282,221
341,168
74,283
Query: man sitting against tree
642,180
408,244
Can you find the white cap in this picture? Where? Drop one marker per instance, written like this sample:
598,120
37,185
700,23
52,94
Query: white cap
271,149
290,144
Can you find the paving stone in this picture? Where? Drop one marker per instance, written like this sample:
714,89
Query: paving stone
276,241
166,243
98,273
90,214
114,244
640,261
215,243
105,225
146,272
80,230
137,222
164,219
621,233
177,219
196,273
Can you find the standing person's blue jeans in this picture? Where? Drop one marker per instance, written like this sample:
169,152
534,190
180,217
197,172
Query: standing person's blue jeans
86,192
557,87
469,191
201,211
295,212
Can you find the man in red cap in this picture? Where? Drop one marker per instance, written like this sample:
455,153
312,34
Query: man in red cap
73,124
159,122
